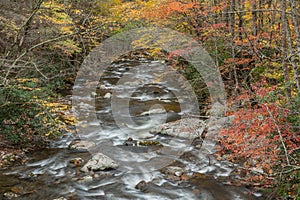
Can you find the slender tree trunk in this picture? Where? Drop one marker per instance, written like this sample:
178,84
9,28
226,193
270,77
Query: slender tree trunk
215,21
260,17
254,17
292,59
297,32
233,54
240,15
284,50
271,21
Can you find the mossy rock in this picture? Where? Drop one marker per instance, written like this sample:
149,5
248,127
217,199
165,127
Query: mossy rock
149,143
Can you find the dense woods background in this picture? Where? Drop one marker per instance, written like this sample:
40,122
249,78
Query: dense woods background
255,44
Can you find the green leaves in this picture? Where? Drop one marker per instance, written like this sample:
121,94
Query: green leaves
24,115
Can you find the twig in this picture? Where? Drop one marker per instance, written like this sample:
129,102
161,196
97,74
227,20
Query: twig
30,49
39,71
196,116
280,135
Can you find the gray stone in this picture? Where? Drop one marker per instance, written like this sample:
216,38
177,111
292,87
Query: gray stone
81,145
99,162
189,128
217,109
85,179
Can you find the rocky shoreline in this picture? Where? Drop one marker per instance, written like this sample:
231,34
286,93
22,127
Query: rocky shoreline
99,166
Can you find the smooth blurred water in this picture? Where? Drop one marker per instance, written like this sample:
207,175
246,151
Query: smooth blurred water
49,175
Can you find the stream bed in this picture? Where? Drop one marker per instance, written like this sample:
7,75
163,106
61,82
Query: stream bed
162,167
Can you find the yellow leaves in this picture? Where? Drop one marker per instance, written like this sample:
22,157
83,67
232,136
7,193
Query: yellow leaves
55,14
126,11
104,6
68,46
248,5
23,80
248,15
68,119
76,11
60,114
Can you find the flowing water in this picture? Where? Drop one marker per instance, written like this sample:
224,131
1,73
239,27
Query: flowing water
49,174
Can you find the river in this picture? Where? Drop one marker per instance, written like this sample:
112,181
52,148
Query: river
189,174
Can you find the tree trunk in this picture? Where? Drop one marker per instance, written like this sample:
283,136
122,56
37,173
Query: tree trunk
297,31
232,33
284,50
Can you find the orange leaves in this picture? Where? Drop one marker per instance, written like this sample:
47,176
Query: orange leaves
219,7
161,10
180,7
238,61
174,6
253,139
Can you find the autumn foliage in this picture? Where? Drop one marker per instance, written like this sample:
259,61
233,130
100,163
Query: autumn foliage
255,44
260,138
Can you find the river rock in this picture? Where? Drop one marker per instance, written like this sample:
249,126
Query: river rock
148,143
173,170
81,145
60,198
75,162
85,179
132,142
107,96
99,162
10,195
189,128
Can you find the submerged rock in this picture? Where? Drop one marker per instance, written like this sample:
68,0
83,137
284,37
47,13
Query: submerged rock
173,170
75,162
99,162
148,143
174,173
81,145
85,179
141,185
140,146
132,142
165,188
189,128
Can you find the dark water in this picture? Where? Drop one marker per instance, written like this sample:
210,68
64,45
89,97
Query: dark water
49,175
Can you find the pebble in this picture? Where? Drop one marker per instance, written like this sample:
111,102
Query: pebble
107,96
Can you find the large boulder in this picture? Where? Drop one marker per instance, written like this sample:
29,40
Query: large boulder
189,128
99,162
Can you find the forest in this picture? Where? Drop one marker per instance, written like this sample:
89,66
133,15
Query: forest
255,45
